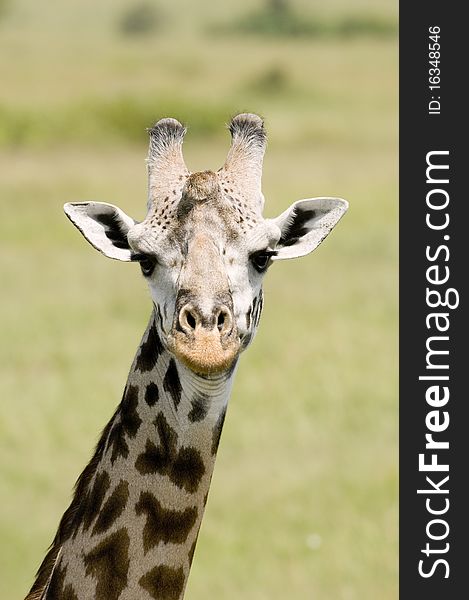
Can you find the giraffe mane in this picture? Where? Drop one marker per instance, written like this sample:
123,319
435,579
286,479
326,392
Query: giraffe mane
70,520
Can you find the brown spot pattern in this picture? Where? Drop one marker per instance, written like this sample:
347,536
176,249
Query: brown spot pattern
118,443
163,525
108,563
94,499
172,384
216,434
152,394
57,589
164,583
158,459
73,516
191,551
185,467
149,351
128,423
113,508
199,410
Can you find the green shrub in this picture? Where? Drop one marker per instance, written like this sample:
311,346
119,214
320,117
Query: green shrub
278,19
272,81
123,119
141,19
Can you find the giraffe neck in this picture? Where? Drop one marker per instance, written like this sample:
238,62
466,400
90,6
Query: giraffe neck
132,527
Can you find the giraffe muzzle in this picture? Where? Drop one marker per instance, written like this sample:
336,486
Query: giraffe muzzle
205,341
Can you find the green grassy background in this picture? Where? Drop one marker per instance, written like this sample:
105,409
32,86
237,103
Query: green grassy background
303,501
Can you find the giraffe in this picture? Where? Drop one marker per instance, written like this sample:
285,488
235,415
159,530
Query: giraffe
204,247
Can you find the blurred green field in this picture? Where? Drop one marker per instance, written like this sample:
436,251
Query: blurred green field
304,497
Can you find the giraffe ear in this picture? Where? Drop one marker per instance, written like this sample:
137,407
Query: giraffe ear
105,227
305,224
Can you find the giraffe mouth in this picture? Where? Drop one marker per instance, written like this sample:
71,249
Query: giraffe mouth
205,351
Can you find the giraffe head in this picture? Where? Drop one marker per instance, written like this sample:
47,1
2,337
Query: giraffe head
204,246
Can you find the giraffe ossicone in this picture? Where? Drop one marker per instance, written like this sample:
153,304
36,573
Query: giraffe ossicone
204,248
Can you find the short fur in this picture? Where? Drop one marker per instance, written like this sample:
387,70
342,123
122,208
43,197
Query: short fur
204,247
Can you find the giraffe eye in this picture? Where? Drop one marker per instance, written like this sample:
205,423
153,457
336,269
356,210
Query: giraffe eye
261,260
147,263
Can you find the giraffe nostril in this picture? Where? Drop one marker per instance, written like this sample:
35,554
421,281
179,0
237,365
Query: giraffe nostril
220,321
224,320
188,319
191,319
